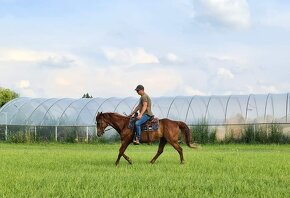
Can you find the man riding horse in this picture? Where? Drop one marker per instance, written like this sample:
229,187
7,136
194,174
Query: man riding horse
167,132
145,113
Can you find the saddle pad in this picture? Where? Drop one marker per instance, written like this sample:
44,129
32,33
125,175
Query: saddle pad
150,125
132,123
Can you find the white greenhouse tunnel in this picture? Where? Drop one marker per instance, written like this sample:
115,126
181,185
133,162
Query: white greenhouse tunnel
216,110
59,115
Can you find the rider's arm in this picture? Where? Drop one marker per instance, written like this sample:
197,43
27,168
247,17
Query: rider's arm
135,110
145,104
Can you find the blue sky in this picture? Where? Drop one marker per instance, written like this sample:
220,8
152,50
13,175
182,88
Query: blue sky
65,48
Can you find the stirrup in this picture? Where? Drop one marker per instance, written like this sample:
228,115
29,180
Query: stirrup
136,142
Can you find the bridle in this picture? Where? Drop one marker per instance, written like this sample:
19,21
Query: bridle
102,129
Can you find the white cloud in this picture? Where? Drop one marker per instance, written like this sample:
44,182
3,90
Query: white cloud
173,58
57,62
222,58
45,58
263,86
262,89
160,81
130,56
20,55
104,82
28,92
157,81
269,89
225,73
192,92
24,88
23,84
232,13
62,82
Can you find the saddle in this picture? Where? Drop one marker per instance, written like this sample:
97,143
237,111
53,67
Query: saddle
151,125
148,127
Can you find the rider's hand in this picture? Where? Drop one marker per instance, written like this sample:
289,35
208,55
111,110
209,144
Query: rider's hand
139,116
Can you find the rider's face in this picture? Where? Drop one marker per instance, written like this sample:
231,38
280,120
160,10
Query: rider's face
140,91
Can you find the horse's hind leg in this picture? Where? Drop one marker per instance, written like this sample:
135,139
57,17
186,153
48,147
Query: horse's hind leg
179,150
160,149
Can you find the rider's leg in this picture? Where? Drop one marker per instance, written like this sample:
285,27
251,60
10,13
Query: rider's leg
138,124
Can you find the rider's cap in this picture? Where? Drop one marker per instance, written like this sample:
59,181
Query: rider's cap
139,87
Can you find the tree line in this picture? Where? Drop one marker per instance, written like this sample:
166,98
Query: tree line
6,95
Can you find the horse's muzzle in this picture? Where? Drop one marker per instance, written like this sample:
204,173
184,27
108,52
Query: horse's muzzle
100,134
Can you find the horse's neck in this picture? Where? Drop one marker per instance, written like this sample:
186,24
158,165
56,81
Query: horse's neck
118,122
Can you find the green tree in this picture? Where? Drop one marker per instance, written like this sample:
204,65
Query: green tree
87,95
6,95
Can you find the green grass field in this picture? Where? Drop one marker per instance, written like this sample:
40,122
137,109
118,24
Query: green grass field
81,170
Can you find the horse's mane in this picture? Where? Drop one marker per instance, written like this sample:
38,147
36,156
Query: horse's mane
117,115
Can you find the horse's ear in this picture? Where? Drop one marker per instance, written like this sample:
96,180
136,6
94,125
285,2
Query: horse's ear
98,115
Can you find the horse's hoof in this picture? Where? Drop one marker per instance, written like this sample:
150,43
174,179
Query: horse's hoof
182,162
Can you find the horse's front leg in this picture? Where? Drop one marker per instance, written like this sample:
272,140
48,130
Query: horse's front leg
122,151
127,158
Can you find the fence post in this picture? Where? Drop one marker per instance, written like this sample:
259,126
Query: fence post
6,132
35,133
6,127
55,133
255,132
87,135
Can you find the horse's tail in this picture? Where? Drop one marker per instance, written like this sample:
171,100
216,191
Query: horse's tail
186,133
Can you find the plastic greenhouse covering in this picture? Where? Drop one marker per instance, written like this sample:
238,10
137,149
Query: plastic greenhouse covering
215,110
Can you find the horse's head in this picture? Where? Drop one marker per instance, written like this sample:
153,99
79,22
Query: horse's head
101,123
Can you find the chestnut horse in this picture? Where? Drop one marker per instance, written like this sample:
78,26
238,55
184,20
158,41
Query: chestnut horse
167,132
